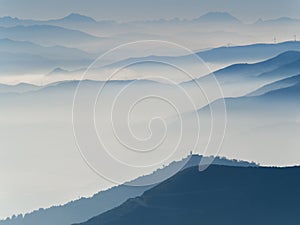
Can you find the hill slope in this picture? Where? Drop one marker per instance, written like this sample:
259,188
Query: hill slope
247,53
85,208
219,195
284,83
47,35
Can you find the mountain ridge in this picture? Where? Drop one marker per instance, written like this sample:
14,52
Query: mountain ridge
113,197
219,195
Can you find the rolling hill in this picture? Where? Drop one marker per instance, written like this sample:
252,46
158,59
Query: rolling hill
248,53
47,35
18,88
24,57
277,85
52,52
219,195
85,208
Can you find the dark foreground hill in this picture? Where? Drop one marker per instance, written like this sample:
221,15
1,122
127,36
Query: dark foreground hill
84,208
221,195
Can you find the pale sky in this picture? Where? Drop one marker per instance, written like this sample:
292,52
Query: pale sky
248,11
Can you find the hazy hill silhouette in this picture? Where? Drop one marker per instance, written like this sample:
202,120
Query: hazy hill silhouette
84,208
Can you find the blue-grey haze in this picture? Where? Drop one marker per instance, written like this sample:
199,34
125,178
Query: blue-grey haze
143,10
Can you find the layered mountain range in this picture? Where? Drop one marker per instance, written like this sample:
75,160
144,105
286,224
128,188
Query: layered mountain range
256,88
270,101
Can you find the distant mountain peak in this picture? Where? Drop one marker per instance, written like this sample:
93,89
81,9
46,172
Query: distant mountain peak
58,70
260,20
218,17
76,17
